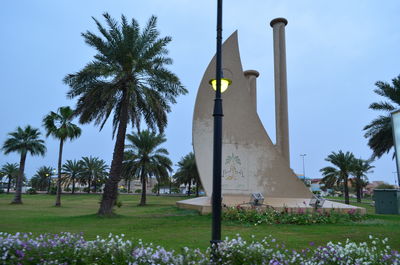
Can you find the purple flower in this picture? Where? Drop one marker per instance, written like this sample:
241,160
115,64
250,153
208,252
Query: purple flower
20,253
312,243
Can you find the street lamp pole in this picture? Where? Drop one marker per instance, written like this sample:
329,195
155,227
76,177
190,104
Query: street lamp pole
304,168
217,148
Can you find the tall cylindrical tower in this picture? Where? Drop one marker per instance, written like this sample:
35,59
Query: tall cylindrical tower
251,76
281,101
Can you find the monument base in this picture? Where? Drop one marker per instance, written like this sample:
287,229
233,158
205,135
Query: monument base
203,204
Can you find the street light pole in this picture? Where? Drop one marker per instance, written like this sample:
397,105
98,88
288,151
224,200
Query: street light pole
217,148
304,168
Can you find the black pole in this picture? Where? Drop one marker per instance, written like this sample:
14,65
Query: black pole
217,152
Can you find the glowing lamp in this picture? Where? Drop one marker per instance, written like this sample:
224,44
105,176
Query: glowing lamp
225,82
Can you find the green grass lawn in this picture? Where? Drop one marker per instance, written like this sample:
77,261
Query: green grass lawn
163,224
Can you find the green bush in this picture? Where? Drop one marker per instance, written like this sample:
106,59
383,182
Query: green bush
31,191
175,190
300,217
67,189
123,190
86,189
1,190
53,190
138,191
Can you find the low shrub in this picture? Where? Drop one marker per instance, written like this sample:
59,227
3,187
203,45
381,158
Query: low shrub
31,191
258,216
68,248
138,191
53,190
1,190
67,189
123,190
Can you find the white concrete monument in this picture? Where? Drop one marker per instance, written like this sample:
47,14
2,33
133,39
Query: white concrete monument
251,163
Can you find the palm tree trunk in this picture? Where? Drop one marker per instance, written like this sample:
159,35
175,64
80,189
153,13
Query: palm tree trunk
197,189
170,186
18,192
144,180
346,190
95,185
73,185
88,191
49,186
129,185
190,186
110,192
58,198
358,188
9,184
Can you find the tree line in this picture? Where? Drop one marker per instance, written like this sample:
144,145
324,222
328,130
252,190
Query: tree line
379,133
128,79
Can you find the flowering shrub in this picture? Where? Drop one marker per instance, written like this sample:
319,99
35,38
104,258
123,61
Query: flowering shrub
67,248
270,216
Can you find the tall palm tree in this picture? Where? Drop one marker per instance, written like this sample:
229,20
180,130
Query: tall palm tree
340,171
42,179
59,125
127,78
9,170
94,172
360,168
147,159
187,172
379,130
23,141
72,169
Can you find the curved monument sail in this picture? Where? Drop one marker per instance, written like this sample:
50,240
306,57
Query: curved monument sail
250,161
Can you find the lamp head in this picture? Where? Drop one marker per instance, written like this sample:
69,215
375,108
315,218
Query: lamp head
225,82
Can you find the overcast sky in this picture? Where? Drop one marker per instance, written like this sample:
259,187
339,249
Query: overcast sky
336,51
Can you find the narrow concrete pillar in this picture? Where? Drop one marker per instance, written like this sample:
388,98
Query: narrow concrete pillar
251,76
281,101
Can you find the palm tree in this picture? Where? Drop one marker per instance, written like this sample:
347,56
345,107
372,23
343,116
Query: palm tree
23,141
147,158
343,163
360,168
42,179
379,130
72,169
187,172
94,172
127,78
9,170
59,125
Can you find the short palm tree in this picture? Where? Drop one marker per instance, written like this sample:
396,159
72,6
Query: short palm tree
72,169
339,172
94,172
127,79
147,159
379,130
360,169
187,172
42,179
23,141
59,125
10,171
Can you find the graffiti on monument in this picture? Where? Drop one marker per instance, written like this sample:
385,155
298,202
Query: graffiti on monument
233,177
